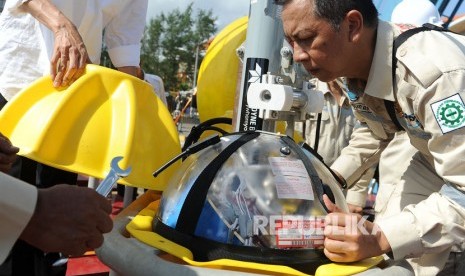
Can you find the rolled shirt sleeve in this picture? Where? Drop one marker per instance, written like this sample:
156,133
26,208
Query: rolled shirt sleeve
357,194
430,226
124,32
17,203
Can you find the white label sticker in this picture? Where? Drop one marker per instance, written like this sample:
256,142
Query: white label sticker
294,187
291,178
284,166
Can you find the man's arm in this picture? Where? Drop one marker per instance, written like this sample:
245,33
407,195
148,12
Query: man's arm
76,226
69,54
357,194
17,201
362,153
350,237
63,218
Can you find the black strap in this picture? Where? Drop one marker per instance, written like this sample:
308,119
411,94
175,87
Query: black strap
199,129
195,199
317,132
390,105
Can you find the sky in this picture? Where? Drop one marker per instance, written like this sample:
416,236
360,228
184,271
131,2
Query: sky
225,11
385,7
228,11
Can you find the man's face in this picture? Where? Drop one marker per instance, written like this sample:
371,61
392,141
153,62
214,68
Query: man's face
317,45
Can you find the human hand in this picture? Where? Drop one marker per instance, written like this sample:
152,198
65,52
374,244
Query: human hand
69,56
350,237
355,209
68,219
7,153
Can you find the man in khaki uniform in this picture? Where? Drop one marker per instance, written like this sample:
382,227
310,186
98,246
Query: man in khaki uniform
345,38
411,167
63,218
336,123
413,178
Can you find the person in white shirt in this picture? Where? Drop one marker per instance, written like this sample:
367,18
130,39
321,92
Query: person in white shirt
66,36
156,82
58,37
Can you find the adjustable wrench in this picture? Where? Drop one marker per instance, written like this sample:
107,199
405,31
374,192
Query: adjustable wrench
112,177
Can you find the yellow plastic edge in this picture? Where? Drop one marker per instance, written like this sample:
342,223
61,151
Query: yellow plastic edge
140,228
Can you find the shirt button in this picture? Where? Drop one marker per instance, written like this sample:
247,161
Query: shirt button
403,52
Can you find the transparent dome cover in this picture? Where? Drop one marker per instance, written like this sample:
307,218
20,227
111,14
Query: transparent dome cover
266,193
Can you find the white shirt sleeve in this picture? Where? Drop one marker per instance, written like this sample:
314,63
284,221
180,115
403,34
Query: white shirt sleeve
124,33
17,203
158,86
13,4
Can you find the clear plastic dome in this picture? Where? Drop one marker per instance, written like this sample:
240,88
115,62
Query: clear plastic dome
265,193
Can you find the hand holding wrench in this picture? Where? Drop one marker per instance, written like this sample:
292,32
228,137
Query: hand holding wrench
113,176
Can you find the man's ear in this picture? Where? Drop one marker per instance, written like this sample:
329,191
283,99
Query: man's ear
354,21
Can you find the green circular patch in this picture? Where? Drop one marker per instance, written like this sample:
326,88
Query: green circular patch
451,113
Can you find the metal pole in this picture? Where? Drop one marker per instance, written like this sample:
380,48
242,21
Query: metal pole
262,55
194,80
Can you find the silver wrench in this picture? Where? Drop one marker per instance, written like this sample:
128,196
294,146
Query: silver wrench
112,177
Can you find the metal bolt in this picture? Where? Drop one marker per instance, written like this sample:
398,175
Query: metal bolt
286,52
265,95
285,150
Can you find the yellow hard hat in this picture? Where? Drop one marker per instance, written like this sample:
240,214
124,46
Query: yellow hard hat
104,114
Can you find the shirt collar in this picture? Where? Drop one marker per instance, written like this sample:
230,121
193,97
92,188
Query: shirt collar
323,86
379,82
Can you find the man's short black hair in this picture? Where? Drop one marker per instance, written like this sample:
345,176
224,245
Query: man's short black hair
334,11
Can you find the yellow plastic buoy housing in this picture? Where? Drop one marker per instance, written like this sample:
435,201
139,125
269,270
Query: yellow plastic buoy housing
218,73
105,113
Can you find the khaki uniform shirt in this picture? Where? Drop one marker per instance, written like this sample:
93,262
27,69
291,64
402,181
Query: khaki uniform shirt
336,127
410,180
17,203
337,123
405,177
430,92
